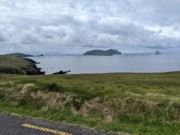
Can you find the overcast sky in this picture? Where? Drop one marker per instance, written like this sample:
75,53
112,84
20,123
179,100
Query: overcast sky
73,26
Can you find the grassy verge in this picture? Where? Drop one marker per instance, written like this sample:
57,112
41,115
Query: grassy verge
129,103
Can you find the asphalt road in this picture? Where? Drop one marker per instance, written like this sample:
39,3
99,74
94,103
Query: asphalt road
15,125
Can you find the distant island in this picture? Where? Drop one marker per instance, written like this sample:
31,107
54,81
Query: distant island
158,53
20,55
41,55
109,52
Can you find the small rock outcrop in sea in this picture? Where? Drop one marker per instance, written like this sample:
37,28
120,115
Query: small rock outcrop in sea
158,53
62,72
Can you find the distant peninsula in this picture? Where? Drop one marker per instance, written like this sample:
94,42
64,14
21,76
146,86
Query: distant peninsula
20,55
109,52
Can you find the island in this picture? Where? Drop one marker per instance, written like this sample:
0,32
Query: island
158,53
109,52
41,55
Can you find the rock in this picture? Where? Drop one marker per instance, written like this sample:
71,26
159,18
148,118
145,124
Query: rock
62,72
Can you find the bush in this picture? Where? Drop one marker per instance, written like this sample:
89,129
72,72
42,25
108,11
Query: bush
53,87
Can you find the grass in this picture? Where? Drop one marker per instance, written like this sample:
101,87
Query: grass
128,103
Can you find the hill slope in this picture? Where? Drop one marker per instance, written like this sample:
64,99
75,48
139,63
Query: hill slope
19,55
16,65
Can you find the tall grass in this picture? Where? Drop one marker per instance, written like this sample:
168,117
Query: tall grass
132,103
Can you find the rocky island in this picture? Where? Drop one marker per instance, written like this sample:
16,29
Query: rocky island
109,52
158,53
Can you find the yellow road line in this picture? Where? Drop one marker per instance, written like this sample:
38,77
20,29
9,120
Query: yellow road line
45,129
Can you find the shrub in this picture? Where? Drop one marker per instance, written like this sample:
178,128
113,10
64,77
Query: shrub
53,87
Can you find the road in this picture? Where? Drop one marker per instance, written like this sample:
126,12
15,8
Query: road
15,125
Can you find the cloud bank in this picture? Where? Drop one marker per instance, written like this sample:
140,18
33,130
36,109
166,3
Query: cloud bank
59,25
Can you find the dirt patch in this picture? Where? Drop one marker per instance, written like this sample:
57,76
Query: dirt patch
27,87
52,99
9,82
96,105
155,94
134,94
174,98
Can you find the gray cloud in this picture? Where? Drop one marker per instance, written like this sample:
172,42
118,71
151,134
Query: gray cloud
46,25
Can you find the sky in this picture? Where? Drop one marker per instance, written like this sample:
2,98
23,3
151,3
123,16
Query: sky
75,26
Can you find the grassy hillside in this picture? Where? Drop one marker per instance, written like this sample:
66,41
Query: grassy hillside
19,55
127,103
15,65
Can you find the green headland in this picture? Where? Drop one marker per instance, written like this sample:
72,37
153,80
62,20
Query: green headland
11,64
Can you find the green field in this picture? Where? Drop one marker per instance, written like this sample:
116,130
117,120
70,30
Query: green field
126,103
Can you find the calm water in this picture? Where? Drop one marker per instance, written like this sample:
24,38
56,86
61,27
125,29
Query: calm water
109,64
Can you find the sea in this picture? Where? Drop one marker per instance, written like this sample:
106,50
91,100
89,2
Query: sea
126,63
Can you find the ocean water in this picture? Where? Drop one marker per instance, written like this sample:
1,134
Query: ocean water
133,63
